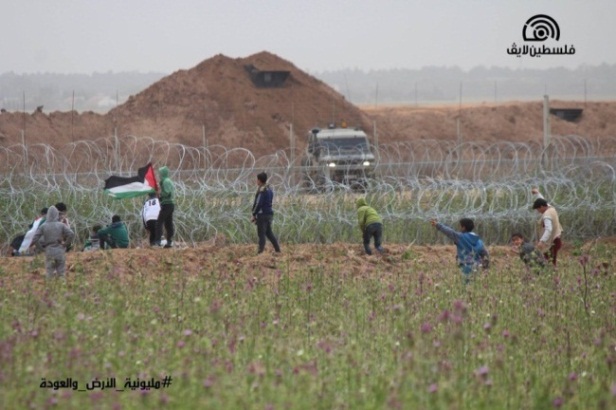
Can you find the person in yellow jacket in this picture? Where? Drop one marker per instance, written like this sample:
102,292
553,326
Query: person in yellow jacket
370,224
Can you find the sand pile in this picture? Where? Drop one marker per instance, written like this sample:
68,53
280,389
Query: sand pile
218,103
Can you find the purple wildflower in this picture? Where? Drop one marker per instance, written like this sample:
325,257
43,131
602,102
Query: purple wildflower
482,372
444,316
209,382
459,306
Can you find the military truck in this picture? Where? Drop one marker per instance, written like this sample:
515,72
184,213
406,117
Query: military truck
337,156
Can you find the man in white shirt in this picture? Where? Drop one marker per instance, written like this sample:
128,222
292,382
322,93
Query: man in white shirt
552,230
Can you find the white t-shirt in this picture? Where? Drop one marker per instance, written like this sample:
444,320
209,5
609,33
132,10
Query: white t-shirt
151,209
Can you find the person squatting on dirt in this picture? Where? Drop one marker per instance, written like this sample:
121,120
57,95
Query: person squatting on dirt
149,216
552,230
263,213
370,224
93,243
115,235
531,257
54,237
167,206
16,244
471,252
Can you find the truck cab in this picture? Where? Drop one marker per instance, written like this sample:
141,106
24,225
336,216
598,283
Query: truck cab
338,155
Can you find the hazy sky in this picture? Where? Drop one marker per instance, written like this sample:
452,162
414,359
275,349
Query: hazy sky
86,36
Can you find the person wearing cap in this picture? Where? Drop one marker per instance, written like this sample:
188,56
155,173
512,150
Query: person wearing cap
549,242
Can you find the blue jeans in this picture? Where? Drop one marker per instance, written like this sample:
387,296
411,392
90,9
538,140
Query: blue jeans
373,230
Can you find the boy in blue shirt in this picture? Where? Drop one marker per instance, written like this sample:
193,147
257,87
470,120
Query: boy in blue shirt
471,252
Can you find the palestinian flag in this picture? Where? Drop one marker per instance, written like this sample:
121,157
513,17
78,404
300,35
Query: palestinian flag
130,187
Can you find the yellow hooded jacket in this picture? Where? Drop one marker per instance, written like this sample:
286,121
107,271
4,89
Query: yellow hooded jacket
366,215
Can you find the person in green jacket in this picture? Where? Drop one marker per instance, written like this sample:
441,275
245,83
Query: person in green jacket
370,224
167,206
114,235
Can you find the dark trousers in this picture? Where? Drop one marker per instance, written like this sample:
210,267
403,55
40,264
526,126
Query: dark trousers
553,251
107,242
150,226
165,217
264,230
373,230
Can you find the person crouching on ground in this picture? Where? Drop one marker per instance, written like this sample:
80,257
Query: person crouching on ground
370,224
54,237
531,257
471,252
93,243
114,235
263,213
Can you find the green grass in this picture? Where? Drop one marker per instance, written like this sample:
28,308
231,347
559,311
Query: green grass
321,335
331,218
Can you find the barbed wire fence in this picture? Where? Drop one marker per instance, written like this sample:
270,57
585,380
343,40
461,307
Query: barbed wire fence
414,182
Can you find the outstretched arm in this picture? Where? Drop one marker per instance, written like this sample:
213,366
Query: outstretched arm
449,232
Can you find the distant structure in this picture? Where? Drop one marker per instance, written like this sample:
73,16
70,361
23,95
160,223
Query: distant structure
267,78
567,114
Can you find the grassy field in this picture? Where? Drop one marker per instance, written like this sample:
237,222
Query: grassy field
319,327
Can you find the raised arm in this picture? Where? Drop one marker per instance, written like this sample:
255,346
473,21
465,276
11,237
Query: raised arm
449,232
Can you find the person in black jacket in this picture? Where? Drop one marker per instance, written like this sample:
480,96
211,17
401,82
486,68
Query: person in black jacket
262,213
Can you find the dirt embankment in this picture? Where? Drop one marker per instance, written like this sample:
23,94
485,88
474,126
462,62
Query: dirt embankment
218,103
348,258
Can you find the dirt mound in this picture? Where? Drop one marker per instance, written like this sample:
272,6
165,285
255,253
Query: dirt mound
217,102
220,102
218,99
512,121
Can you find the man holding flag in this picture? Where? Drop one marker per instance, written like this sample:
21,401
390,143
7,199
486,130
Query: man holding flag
167,206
